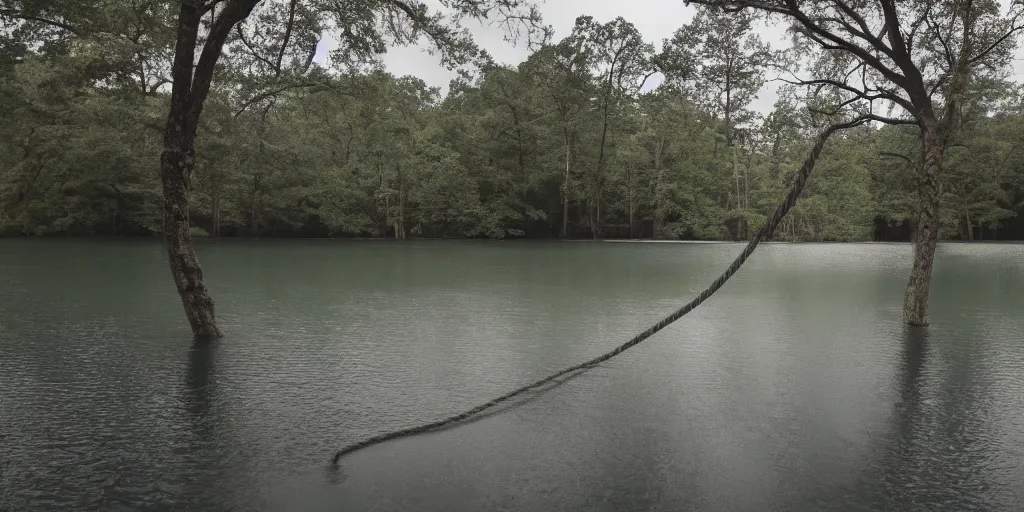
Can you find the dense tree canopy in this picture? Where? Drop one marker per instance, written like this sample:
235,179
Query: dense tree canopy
572,142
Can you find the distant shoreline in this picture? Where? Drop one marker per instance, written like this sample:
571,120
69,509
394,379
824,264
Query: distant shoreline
204,239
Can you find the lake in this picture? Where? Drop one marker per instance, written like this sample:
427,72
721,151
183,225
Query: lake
796,387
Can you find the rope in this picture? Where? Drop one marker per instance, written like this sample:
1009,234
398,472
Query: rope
794,192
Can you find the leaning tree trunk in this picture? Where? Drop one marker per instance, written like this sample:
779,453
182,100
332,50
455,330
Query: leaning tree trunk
176,165
190,83
915,301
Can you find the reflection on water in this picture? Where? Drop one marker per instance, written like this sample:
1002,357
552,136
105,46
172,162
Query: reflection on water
198,389
795,388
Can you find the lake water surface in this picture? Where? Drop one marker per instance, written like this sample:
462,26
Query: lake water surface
795,388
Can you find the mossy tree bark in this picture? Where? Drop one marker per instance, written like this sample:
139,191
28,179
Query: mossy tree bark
915,300
189,88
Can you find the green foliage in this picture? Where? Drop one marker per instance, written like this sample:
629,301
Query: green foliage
287,149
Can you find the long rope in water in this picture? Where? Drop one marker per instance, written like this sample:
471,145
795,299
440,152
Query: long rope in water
766,230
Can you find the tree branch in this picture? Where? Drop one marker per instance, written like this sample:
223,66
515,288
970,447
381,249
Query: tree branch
404,7
843,44
939,82
901,54
278,90
947,52
234,12
859,94
900,156
189,17
995,45
916,25
889,120
864,32
309,57
21,15
160,82
267,94
287,37
252,50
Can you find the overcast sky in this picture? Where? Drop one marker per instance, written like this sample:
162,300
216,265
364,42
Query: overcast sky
657,20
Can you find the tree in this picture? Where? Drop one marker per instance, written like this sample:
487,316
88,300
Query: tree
92,70
362,41
190,84
274,57
975,174
562,72
621,60
920,56
510,151
719,59
666,128
512,118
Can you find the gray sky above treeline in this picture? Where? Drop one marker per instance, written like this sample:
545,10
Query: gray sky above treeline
657,20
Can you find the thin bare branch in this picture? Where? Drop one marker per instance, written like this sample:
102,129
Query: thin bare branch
234,12
947,52
268,94
864,32
272,93
902,157
21,15
252,50
984,53
287,37
859,94
814,31
415,18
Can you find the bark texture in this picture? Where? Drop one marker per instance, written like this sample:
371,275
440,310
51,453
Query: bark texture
915,300
190,85
176,164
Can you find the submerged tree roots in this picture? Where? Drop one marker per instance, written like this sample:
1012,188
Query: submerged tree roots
765,232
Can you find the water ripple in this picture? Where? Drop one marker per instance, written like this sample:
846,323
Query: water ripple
795,388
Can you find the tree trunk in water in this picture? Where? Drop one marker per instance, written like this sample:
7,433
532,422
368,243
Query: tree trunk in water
915,301
176,165
190,83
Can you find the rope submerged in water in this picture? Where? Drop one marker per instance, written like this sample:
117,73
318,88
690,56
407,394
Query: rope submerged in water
798,185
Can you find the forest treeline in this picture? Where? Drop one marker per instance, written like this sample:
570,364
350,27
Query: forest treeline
570,143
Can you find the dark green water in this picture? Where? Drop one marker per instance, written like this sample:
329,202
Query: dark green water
795,388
